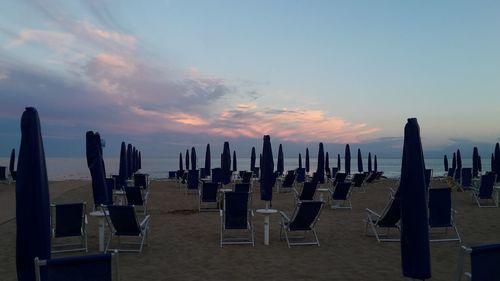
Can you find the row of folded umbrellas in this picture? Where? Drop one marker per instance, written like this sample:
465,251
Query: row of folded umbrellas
476,161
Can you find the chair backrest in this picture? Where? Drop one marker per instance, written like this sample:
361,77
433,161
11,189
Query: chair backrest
341,191
217,175
339,177
289,179
466,178
451,172
98,267
116,180
2,173
242,187
335,170
172,174
458,174
140,180
247,177
358,179
300,175
440,207
256,172
68,219
180,174
134,195
428,176
209,192
193,179
235,210
486,187
203,173
371,177
391,214
484,262
308,191
305,215
123,220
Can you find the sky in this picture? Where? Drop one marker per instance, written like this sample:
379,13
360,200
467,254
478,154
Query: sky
168,75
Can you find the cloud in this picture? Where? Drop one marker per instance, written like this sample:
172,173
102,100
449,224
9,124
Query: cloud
56,40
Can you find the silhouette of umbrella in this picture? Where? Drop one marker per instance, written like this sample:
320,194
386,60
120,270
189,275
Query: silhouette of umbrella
123,170
193,158
208,161
445,163
320,169
475,168
96,168
226,163
339,165
235,165
327,163
360,161
375,163
307,160
459,160
181,167
252,160
454,162
300,161
266,183
415,252
134,159
140,160
12,161
281,165
347,160
492,162
497,161
479,164
32,199
369,162
187,160
129,161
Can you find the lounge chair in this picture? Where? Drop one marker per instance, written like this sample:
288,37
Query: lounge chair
335,170
387,220
217,175
67,222
2,174
172,175
339,177
193,181
441,215
483,195
138,198
484,261
246,177
242,187
307,193
304,219
98,267
371,177
123,223
358,182
300,175
466,178
236,217
287,184
256,172
142,181
451,173
208,197
340,196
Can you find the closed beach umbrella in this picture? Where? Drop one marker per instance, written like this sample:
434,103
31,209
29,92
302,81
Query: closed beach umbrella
360,161
252,160
260,162
492,162
307,160
129,161
320,169
459,160
375,168
187,159
266,183
415,252
454,161
140,160
181,167
235,165
339,165
226,163
134,159
497,161
445,163
32,199
475,168
347,159
369,162
12,161
300,161
479,164
327,163
123,170
95,164
208,162
193,158
281,165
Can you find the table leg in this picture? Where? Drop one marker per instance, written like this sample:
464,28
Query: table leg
101,234
266,230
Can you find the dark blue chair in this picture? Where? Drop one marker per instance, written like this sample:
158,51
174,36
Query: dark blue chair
340,196
98,267
142,181
208,197
303,220
451,172
287,184
301,175
217,175
466,178
441,214
124,224
307,193
172,175
193,181
339,177
484,261
69,220
382,224
2,173
246,177
236,217
484,194
335,170
256,172
242,187
138,198
358,181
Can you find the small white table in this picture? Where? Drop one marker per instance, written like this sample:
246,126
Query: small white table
100,215
266,213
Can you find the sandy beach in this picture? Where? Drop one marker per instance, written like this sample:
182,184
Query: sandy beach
185,245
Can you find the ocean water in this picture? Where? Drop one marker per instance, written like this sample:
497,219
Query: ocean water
76,168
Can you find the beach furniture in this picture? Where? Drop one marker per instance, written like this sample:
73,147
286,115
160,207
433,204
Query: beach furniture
287,184
69,221
235,217
466,178
256,172
382,224
172,175
208,197
339,177
371,177
242,187
300,175
142,181
2,173
484,194
246,177
307,193
303,220
441,215
451,172
484,261
138,198
98,267
193,181
340,196
335,170
124,224
358,181
217,175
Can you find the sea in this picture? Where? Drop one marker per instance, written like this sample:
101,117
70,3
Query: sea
59,168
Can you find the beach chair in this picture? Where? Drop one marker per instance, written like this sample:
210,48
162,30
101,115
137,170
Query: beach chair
388,220
236,217
138,198
172,175
441,215
484,261
242,187
303,220
466,178
2,174
246,177
193,181
69,221
97,267
339,177
307,193
450,173
483,195
371,177
358,182
335,170
124,224
217,175
208,197
340,196
300,175
287,184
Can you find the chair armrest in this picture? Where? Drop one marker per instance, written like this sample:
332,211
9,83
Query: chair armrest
284,216
296,193
221,213
145,221
372,213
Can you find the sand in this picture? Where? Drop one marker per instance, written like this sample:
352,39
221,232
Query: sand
185,245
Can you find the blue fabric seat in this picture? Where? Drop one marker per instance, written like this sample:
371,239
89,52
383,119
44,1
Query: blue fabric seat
208,197
69,220
300,175
287,184
123,223
484,261
484,194
303,220
466,178
193,181
307,193
138,197
340,196
386,221
441,215
236,217
358,181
